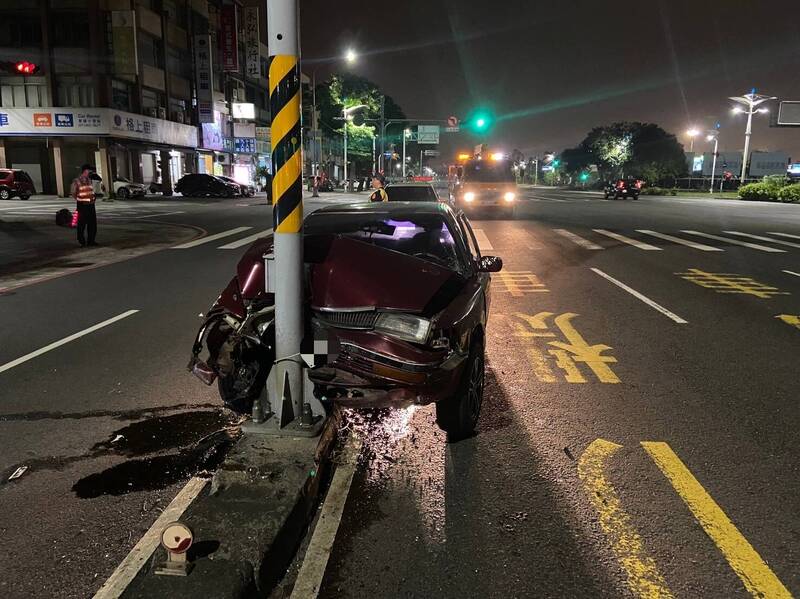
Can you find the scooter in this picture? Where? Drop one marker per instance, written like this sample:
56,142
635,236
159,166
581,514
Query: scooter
239,333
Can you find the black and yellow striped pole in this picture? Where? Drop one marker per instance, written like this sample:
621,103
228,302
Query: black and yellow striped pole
287,206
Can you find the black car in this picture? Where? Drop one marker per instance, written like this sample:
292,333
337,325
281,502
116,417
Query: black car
200,185
622,188
245,190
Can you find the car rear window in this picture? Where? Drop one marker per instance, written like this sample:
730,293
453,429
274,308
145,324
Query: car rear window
425,236
410,193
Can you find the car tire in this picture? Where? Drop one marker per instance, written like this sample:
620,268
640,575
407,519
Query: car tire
458,415
5,194
123,193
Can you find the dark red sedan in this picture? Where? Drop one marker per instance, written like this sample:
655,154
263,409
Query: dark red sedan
402,294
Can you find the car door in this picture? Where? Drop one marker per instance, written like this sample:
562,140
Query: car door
472,245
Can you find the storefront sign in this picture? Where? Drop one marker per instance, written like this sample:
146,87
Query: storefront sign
203,72
97,122
251,54
244,110
229,45
244,145
227,144
123,37
212,136
263,133
244,130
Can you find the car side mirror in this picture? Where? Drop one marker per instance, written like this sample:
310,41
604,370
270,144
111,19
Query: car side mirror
490,264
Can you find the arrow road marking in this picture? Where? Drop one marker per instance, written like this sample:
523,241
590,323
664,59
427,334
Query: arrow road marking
745,561
65,340
644,579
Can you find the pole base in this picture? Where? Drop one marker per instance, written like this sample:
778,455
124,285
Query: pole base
295,428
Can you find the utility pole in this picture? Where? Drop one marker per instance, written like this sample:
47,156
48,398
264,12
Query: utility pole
383,132
344,116
405,134
713,162
287,209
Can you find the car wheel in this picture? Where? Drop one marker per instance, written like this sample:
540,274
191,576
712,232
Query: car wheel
123,193
458,415
5,194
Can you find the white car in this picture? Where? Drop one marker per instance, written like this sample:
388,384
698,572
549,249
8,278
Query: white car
124,189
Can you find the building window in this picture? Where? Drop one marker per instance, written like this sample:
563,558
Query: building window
19,94
150,51
175,14
178,62
121,95
20,31
177,111
75,92
70,29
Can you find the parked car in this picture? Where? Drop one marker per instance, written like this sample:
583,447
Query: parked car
398,293
201,185
124,189
245,190
411,192
622,188
14,182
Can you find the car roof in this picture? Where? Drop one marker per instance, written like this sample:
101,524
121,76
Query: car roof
411,184
390,208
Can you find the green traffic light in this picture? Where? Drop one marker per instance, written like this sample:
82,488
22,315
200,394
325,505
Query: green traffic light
584,176
480,122
556,163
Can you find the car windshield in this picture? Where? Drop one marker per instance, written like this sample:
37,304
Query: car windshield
410,193
482,171
425,236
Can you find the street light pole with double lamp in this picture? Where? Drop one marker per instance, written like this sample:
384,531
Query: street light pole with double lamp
750,102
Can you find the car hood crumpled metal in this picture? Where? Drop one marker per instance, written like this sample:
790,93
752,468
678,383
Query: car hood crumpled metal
355,274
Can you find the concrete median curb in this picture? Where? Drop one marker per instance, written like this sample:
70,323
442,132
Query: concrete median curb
249,522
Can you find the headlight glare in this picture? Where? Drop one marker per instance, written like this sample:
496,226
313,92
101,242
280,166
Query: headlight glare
469,196
509,196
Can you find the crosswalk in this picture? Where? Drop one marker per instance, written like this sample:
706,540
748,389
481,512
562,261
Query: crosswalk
230,245
647,240
142,210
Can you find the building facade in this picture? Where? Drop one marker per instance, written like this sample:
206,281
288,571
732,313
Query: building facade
148,90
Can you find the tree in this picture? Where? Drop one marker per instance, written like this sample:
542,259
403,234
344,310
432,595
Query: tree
642,150
576,160
341,91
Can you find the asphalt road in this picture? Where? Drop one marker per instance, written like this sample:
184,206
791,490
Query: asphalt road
556,496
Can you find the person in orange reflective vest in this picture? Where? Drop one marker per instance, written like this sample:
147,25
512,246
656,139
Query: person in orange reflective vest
379,195
83,192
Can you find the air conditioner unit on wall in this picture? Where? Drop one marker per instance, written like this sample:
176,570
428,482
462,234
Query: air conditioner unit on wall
224,158
178,116
162,112
151,112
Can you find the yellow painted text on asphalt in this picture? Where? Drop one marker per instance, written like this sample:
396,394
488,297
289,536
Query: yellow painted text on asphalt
518,283
730,283
563,347
790,319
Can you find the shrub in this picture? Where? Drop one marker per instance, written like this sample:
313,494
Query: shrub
653,191
790,193
764,191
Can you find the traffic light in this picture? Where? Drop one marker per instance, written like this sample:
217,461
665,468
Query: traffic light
480,122
21,67
584,177
556,162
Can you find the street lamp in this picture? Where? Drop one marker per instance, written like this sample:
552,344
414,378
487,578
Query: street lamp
747,104
346,118
692,133
350,56
406,135
713,136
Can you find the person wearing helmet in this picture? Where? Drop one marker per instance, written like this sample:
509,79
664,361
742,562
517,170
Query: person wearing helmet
379,195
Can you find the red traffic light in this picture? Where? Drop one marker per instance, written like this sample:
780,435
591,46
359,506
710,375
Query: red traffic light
26,68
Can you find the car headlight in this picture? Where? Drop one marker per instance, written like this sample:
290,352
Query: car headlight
404,326
469,196
509,196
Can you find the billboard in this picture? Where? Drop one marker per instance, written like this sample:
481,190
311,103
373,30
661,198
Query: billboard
123,39
789,114
252,58
205,89
228,41
428,134
768,163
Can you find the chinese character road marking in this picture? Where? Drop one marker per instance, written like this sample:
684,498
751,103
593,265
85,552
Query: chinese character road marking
790,319
566,355
730,283
742,557
518,283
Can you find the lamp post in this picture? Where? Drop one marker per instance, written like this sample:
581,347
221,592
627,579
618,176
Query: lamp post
692,133
750,102
345,118
713,136
406,133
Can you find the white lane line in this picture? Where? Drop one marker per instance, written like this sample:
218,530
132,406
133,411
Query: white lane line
692,244
483,240
35,206
637,244
202,240
789,235
133,562
641,297
161,214
753,246
65,340
762,238
791,272
584,243
245,240
319,549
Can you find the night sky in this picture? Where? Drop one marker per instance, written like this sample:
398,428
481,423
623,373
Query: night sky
551,71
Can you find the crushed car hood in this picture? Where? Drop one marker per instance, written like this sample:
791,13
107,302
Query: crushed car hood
355,274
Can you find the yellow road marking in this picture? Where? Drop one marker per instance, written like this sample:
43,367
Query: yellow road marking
643,577
540,368
730,283
790,319
745,561
520,282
